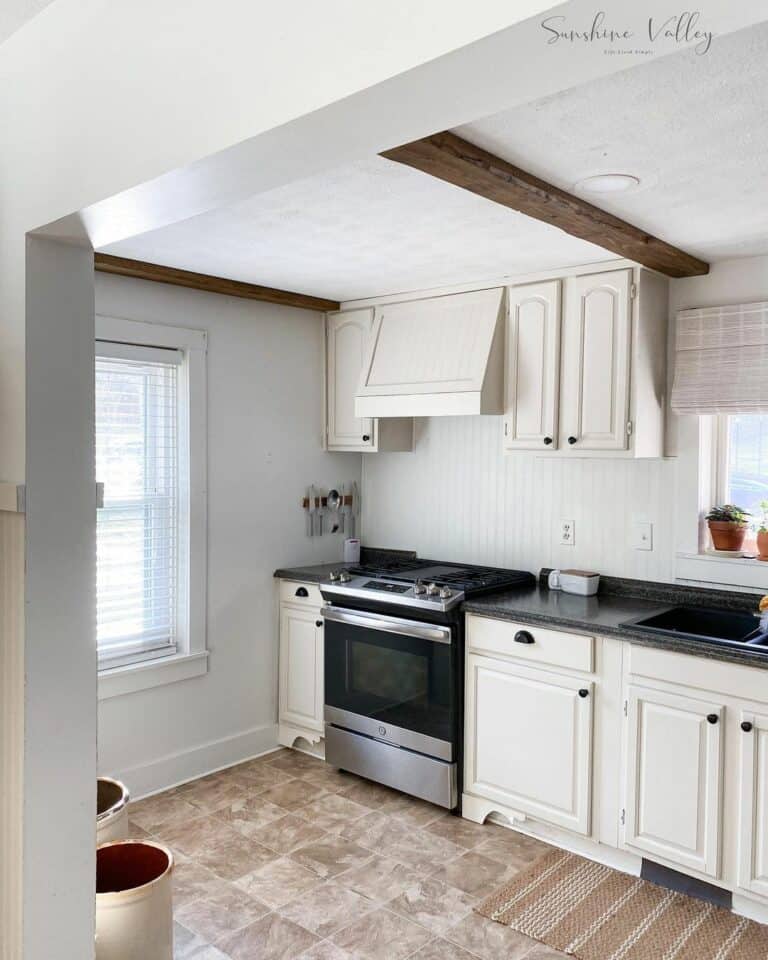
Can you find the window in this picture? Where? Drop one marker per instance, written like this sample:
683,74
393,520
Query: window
137,459
742,461
151,526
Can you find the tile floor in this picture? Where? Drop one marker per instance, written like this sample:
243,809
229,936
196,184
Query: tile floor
285,857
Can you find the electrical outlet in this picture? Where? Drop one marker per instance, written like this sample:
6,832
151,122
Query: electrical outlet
642,535
567,533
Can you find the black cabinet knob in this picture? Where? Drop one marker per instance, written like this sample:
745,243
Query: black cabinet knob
522,636
583,692
547,440
746,726
366,437
302,592
571,440
712,718
318,623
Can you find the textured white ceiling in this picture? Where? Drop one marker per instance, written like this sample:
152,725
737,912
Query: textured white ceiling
693,128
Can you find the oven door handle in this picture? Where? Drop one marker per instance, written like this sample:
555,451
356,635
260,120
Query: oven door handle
374,621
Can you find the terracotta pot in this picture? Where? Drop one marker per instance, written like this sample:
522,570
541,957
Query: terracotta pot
727,534
762,545
134,918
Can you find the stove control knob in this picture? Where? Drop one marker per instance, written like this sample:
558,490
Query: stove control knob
433,590
344,577
446,593
333,576
419,589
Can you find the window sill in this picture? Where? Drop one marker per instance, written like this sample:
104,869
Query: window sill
152,673
744,572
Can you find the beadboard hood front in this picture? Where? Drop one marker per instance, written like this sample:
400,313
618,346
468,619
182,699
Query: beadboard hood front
443,356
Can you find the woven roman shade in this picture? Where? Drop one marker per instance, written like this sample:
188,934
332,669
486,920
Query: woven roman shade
721,360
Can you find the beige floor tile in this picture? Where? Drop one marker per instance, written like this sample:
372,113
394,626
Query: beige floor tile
326,950
382,935
135,832
475,874
212,796
509,846
419,849
372,829
465,833
326,909
432,904
331,856
288,833
294,794
380,879
279,882
542,952
296,763
370,794
440,949
191,837
222,911
412,812
232,858
188,946
337,781
255,774
191,881
249,814
488,940
271,938
154,812
332,812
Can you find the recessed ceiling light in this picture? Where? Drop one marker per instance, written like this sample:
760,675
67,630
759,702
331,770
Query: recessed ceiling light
608,183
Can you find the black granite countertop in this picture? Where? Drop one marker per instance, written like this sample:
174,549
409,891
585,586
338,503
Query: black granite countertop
312,574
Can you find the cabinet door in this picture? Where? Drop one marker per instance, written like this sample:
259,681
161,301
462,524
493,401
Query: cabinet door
347,339
673,778
594,406
753,805
529,741
301,667
532,367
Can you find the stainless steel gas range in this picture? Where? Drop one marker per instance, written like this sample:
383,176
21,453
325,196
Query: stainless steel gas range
394,653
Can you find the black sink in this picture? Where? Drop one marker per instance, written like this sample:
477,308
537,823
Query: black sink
727,627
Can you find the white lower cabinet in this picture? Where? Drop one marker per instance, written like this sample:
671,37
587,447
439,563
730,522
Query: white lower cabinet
528,741
753,802
674,778
301,670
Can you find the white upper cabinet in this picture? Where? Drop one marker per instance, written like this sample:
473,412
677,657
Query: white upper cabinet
674,778
597,328
441,356
532,366
347,336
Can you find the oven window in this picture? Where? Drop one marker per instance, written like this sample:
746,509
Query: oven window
389,674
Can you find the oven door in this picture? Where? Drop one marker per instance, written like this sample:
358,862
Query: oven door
391,679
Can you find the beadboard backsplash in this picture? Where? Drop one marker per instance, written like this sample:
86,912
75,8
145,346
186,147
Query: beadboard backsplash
457,496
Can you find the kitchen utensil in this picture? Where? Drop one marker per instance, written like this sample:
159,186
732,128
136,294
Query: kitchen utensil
312,510
319,513
310,531
333,500
581,582
343,508
355,530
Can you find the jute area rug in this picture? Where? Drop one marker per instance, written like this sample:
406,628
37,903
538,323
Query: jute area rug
596,913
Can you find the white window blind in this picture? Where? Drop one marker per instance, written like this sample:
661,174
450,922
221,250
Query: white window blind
137,460
721,360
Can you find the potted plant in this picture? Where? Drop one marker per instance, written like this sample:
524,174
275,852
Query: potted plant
728,527
762,533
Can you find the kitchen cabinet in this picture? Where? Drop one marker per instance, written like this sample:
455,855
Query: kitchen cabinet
528,741
753,801
674,778
347,337
532,385
301,668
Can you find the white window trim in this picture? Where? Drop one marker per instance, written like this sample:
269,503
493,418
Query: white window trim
191,660
701,484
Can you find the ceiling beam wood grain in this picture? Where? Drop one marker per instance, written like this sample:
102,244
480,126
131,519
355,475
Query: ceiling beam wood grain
141,270
453,159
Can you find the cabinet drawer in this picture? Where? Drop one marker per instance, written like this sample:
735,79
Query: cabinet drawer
497,637
303,594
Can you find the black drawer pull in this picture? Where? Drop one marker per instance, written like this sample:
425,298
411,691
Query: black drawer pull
366,437
547,440
302,592
318,623
746,726
712,718
522,636
583,692
571,440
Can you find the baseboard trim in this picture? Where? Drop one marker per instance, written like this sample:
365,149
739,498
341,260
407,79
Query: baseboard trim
176,768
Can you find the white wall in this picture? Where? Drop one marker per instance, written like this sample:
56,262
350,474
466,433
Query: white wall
264,431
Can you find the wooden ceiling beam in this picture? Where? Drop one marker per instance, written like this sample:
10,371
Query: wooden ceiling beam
122,267
455,160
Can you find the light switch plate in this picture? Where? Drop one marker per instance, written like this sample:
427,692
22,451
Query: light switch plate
642,535
567,533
